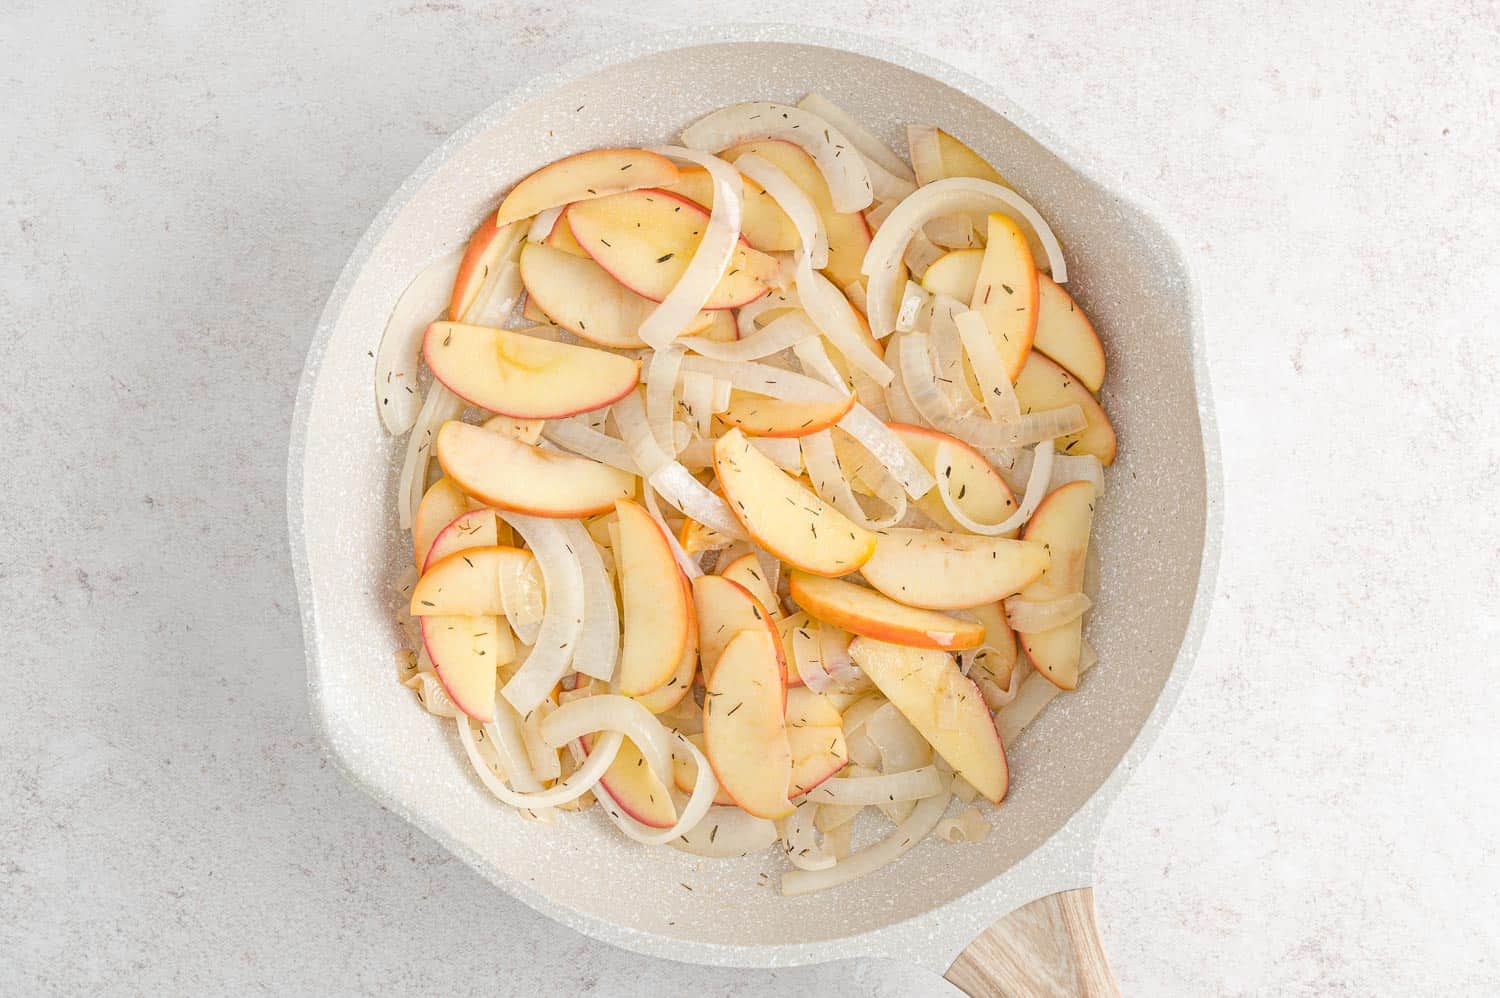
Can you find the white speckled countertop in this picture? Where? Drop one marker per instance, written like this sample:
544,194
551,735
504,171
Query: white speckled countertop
182,183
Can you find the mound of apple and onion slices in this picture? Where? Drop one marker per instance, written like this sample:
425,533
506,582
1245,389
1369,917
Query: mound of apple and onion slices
709,481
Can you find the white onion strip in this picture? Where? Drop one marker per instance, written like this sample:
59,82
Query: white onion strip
675,483
831,312
509,743
661,388
1077,468
998,394
882,263
574,434
913,298
747,314
543,223
832,486
815,361
399,356
612,712
725,832
783,332
883,444
715,249
557,639
795,202
698,400
522,597
598,650
848,177
1036,490
922,820
574,786
685,561
440,406
803,849
875,152
704,788
763,379
1029,617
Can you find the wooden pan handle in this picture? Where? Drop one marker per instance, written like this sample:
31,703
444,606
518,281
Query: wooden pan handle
1050,947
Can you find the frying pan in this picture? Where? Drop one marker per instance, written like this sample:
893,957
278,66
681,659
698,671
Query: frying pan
1157,531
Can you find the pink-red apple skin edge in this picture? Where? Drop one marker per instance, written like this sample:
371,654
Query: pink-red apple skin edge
428,563
900,428
894,635
437,667
1024,647
815,784
604,784
817,426
471,274
427,338
765,618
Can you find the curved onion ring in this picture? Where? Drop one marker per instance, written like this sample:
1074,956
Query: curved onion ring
803,849
763,379
832,486
912,784
557,639
1036,490
440,406
794,201
726,832
747,314
575,434
574,786
671,479
399,356
704,789
1028,617
922,820
898,180
883,444
831,312
999,395
783,332
598,650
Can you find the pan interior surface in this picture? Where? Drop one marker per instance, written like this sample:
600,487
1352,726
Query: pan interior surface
1124,271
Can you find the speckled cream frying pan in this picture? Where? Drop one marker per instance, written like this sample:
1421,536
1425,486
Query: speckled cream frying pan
1157,532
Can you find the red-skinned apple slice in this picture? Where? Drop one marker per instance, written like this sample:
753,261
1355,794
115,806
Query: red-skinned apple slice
561,237
767,417
685,772
466,583
481,261
746,571
645,240
815,731
725,608
472,529
465,652
975,485
441,504
936,155
848,232
525,377
944,706
656,614
763,224
506,473
744,725
1062,522
783,516
1064,333
945,571
594,174
635,788
954,274
1045,385
867,612
721,326
785,628
1005,293
671,693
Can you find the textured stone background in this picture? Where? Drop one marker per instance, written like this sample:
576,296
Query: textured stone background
182,182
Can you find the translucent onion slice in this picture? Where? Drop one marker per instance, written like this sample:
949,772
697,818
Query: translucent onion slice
808,656
831,312
497,300
698,401
562,623
715,249
685,561
522,597
1077,468
574,786
922,820
398,359
783,332
996,391
913,298
875,152
794,202
920,253
440,406
668,477
543,223
507,739
1036,693
803,849
747,314
704,788
574,434
883,444
1029,617
723,393
784,452
951,232
952,374
882,263
847,176
855,292
901,746
898,401
612,712
833,653
770,570
763,379
1036,490
832,486
969,826
814,359
661,390
432,696
726,832
598,650
545,764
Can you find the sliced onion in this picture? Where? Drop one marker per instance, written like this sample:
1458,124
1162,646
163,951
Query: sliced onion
725,832
661,388
543,223
882,263
832,817
875,152
807,656
924,817
1036,490
898,400
948,351
831,312
912,784
557,638
794,202
507,739
783,332
574,434
803,849
711,258
921,253
399,357
1029,617
522,597
668,477
913,298
723,394
876,215
1036,693
574,786
440,406
832,486
747,314
598,650
998,394
847,176
784,452
612,712
496,302
698,401
770,570
969,826
544,762
763,379
883,444
951,232
815,361
833,654
901,746
432,695
704,788
685,561
1077,468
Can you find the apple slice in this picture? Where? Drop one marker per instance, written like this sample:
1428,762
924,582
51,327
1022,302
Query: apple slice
561,237
746,571
528,431
685,772
943,571
815,731
632,785
487,246
943,705
976,487
864,611
763,224
695,538
954,274
1045,385
656,614
441,504
848,232
645,239
786,628
725,608
594,174
506,473
936,155
1005,292
1062,522
721,327
474,528
785,517
671,693
998,663
1066,335
466,583
465,652
766,417
744,725
526,377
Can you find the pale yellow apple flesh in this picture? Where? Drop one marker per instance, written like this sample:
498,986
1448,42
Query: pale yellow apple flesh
977,488
1045,385
954,274
594,174
814,729
466,583
1062,522
580,296
655,612
685,772
474,528
441,504
646,239
724,609
561,238
766,417
507,473
1064,333
525,377
747,572
763,224
948,571
486,247
943,705
1005,293
465,652
784,516
787,627
936,155
680,684
633,786
866,612
744,725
